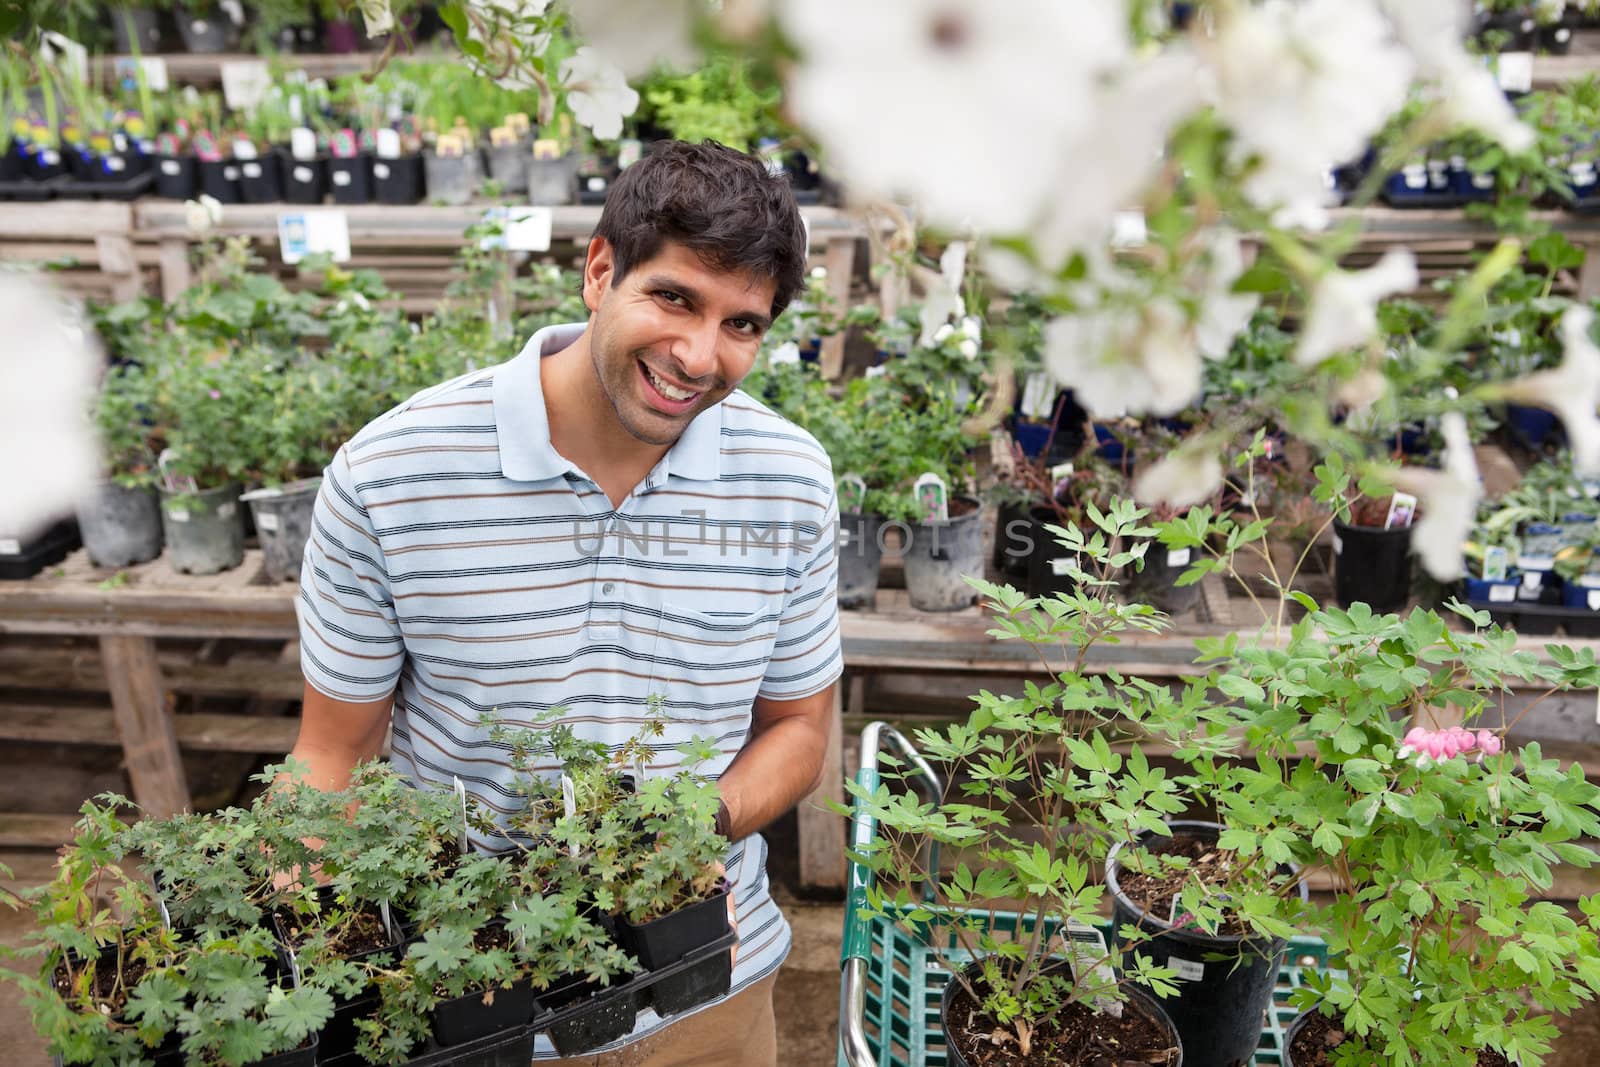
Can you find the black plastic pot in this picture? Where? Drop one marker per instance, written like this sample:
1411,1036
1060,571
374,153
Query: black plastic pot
1293,1032
21,559
1220,1001
860,559
611,1018
44,165
939,556
1372,565
694,986
1136,995
1046,558
1157,585
135,29
666,940
261,179
304,1056
204,34
305,181
176,177
219,179
339,1036
350,179
1011,540
467,1018
397,181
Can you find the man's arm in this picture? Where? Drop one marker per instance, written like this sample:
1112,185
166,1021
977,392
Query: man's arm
336,735
781,763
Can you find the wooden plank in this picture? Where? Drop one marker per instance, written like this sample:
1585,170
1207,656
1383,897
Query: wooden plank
28,830
175,275
149,744
840,262
202,70
73,219
204,733
822,833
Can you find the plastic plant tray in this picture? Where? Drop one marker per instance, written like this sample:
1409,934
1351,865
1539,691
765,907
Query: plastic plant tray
638,983
905,981
509,1048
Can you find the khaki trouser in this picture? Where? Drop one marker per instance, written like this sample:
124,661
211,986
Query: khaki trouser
739,1032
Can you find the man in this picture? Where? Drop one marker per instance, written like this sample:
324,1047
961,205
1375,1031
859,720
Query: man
601,520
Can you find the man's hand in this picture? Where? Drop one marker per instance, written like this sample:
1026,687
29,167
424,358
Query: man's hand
733,910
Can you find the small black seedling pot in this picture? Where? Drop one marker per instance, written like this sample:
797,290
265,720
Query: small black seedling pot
219,179
696,985
350,179
1372,565
261,179
397,181
339,1036
176,177
305,181
610,1018
467,1018
666,940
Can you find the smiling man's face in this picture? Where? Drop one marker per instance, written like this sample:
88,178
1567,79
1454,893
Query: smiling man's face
673,337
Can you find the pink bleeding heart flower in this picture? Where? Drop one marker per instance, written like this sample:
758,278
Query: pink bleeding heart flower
215,395
1449,747
1490,743
1464,737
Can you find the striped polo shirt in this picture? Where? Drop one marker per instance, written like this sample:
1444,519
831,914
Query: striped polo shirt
460,562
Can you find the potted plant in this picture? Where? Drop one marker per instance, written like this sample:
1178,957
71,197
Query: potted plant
1435,837
1371,541
1015,919
397,164
121,521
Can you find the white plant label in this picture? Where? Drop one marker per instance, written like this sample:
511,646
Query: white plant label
1188,970
251,170
388,144
852,493
1062,567
1594,599
1178,557
244,83
1086,947
569,804
1338,545
303,175
380,171
1532,580
1128,229
302,143
304,233
1060,471
341,178
10,546
1500,594
171,168
245,149
461,794
177,515
528,228
1515,71
267,521
1037,393
933,497
225,511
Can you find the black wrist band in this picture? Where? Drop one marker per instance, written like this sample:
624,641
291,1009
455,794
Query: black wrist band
720,824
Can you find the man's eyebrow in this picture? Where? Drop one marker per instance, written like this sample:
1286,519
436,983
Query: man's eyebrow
761,320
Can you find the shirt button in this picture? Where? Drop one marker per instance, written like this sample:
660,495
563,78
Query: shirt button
608,587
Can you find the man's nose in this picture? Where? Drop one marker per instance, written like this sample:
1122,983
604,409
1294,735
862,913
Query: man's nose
696,352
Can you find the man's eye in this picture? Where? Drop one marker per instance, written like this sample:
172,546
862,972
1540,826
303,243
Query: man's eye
745,326
669,296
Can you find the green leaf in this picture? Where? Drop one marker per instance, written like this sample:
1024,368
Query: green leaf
299,1013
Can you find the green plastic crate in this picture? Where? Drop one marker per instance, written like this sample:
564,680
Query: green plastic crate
905,980
898,980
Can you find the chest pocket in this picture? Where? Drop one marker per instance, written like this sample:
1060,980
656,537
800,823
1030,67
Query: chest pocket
709,663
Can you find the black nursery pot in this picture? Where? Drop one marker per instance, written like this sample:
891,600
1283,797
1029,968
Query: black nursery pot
1220,1001
1157,585
350,179
261,179
1372,565
176,177
397,181
305,181
1046,557
611,1018
662,942
219,179
1011,528
467,1018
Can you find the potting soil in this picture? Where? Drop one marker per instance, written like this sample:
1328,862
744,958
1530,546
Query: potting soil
1075,1036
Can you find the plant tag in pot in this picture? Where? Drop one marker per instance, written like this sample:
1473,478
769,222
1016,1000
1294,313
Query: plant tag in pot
1402,509
174,483
1086,949
933,497
1496,563
388,142
303,143
388,919
852,493
244,148
569,804
1037,395
461,794
546,148
502,136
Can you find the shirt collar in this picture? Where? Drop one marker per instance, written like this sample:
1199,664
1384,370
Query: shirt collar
523,427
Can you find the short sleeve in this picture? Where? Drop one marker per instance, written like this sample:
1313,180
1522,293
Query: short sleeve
806,657
350,643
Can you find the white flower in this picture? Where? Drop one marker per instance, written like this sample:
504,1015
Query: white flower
1223,313
1304,86
597,93
820,273
1571,390
636,35
1181,479
972,326
1447,501
1126,358
378,15
788,352
48,369
203,214
942,334
930,99
969,348
943,300
1468,93
1344,306
1364,390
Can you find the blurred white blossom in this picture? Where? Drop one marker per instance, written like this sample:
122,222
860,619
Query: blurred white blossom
1447,501
1571,390
1468,92
1185,477
597,93
202,215
635,35
1223,313
982,113
943,300
1344,306
378,15
1304,86
49,367
788,352
1132,357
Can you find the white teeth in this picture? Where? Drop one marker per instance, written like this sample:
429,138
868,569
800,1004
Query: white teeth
668,391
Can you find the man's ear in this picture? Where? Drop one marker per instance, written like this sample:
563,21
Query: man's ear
598,266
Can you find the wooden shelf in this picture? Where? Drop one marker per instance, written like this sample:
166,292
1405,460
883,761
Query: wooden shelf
205,71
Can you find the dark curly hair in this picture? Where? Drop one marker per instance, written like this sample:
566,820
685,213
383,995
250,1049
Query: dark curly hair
722,204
